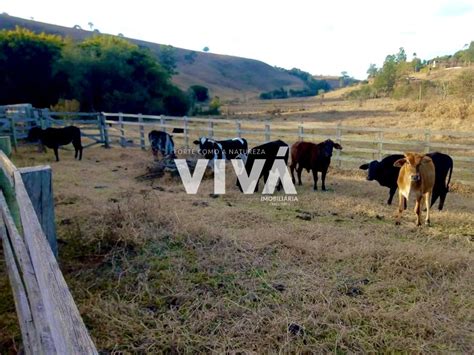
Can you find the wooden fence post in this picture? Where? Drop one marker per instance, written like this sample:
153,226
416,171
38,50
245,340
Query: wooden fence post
39,185
122,130
101,128
338,140
300,133
162,123
380,145
267,132
239,129
186,132
427,140
142,132
105,129
47,122
211,129
13,130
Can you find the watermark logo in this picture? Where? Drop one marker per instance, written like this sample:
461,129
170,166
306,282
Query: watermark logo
248,181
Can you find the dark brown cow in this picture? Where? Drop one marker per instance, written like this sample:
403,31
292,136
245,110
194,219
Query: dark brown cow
417,176
314,157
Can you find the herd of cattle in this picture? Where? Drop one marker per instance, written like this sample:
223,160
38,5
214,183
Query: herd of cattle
427,176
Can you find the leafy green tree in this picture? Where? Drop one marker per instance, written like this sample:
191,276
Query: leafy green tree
167,58
206,49
27,73
200,92
386,77
401,56
372,71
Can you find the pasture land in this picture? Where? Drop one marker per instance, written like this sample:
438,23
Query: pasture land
153,269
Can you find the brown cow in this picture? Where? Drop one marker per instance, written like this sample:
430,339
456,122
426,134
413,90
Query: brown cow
314,157
417,175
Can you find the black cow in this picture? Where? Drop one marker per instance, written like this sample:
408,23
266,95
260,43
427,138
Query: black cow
56,137
268,151
386,175
161,142
225,149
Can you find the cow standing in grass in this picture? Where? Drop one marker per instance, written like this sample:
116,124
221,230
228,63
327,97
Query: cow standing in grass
386,175
417,176
224,149
56,137
314,157
161,142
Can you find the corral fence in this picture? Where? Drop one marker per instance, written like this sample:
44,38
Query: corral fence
360,144
49,320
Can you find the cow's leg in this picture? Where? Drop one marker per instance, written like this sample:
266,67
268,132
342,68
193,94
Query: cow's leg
428,206
292,170
442,198
401,200
323,179
56,153
418,210
80,153
315,179
299,171
391,194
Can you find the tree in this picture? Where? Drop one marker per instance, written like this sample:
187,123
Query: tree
91,25
401,56
77,27
201,93
27,68
167,58
206,49
108,73
372,71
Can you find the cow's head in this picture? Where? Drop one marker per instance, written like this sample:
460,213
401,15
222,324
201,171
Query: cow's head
206,147
372,169
411,164
328,146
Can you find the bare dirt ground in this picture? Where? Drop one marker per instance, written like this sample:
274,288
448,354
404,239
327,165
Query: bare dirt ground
153,269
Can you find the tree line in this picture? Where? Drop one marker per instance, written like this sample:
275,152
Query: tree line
101,73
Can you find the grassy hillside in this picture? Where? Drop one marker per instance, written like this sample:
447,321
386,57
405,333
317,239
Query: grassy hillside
226,76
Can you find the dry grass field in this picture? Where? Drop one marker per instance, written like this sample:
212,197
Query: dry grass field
154,270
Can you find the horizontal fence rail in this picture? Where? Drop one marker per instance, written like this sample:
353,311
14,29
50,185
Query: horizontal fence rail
360,144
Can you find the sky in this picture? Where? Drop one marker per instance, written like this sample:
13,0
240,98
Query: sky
320,37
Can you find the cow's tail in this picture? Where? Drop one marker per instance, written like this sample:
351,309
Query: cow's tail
449,177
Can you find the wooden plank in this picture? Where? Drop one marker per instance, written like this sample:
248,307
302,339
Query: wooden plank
39,185
30,339
7,166
43,331
142,132
67,327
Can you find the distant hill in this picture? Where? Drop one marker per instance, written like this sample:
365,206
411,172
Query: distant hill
226,76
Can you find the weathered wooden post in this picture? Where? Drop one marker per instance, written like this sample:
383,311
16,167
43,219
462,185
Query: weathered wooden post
13,119
105,129
211,129
39,185
300,132
380,145
122,130
6,145
267,132
162,123
239,129
338,140
186,132
427,140
142,132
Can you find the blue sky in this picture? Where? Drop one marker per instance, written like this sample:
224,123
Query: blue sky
322,37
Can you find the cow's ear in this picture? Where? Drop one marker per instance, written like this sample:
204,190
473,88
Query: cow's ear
364,166
399,163
196,142
337,146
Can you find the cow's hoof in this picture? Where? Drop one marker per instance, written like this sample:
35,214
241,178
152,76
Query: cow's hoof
427,223
397,223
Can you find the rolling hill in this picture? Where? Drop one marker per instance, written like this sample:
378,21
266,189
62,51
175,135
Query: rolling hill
226,76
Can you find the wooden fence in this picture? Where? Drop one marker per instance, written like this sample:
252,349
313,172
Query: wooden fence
49,319
360,144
